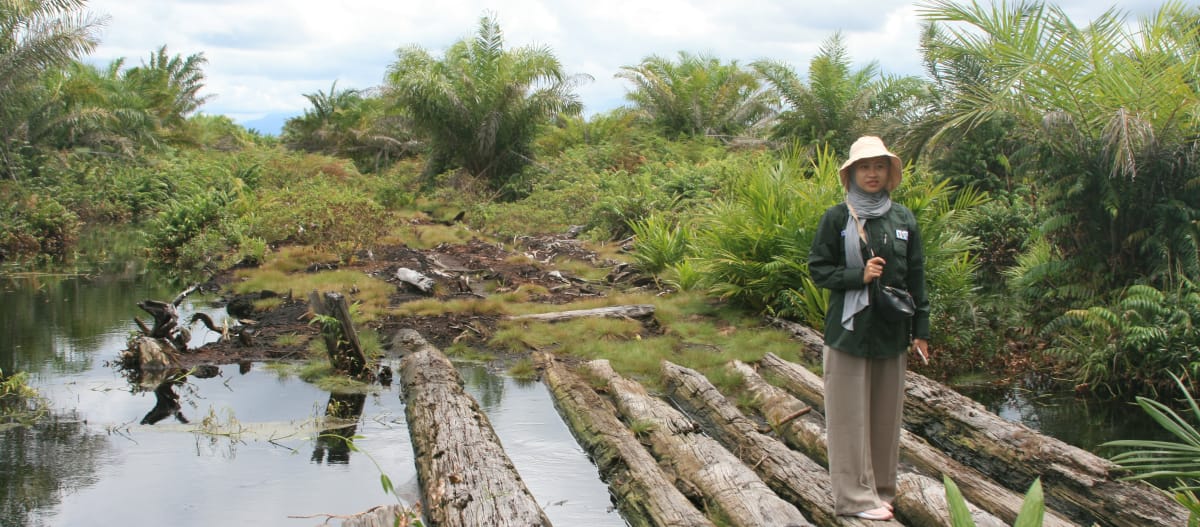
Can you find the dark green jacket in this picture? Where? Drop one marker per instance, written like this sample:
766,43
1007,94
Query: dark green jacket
905,268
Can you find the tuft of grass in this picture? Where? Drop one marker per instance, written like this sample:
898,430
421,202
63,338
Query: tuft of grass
267,304
467,306
369,293
425,236
314,371
465,352
523,370
580,268
692,332
341,384
642,428
296,258
282,370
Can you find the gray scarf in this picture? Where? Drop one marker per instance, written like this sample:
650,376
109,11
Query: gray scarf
867,206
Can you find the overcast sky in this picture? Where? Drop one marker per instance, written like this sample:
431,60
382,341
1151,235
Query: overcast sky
264,55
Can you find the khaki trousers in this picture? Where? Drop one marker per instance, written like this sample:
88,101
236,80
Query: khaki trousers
864,401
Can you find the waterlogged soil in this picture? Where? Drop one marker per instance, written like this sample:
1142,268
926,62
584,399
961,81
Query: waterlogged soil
469,270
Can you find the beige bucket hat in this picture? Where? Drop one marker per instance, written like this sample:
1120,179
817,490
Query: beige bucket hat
866,147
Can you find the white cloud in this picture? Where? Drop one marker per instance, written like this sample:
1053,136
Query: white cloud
264,55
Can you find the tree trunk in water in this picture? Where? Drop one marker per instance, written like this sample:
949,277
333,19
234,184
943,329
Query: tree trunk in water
725,482
466,477
345,352
792,476
1076,482
990,503
645,494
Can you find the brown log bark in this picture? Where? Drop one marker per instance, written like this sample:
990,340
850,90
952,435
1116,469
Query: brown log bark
725,482
1078,484
1076,481
466,478
990,503
792,476
646,495
630,311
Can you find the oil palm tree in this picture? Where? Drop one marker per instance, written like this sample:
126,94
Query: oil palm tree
351,123
697,96
36,36
838,104
169,86
1108,115
480,105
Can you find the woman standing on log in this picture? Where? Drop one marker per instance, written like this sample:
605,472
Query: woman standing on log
866,241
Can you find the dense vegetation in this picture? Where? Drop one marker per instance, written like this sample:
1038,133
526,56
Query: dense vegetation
1053,168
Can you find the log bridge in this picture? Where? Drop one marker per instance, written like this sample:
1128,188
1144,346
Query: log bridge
691,457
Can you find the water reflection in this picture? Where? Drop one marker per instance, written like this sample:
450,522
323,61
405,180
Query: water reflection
333,445
41,464
1079,420
486,387
227,445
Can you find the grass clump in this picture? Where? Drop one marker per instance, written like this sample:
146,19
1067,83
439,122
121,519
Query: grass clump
368,293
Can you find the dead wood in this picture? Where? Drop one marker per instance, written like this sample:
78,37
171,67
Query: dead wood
645,494
794,477
1077,483
341,339
724,481
629,311
423,283
992,506
466,477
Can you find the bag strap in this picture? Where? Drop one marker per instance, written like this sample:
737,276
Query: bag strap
862,233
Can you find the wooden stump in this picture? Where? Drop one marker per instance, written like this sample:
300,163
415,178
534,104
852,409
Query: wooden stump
341,340
466,478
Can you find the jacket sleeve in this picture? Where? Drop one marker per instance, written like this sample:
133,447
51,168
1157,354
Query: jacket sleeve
826,258
915,281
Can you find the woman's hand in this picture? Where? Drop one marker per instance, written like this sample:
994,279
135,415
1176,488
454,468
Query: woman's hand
873,269
921,346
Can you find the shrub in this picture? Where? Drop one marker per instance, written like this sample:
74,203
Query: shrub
1137,343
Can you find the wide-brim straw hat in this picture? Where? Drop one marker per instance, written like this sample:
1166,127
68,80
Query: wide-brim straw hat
866,147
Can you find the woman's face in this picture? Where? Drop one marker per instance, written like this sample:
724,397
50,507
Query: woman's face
871,174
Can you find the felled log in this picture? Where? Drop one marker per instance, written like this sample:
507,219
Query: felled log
1077,483
789,473
341,339
629,311
645,494
725,482
423,283
992,506
465,476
